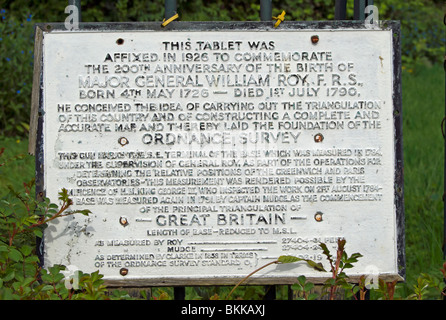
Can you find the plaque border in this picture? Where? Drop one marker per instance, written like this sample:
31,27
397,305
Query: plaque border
36,138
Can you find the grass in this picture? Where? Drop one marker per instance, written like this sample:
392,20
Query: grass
423,111
18,164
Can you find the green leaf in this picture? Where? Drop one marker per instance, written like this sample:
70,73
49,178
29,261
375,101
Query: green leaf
289,259
63,196
9,276
47,287
53,206
32,259
85,212
308,286
27,281
330,282
26,250
355,256
313,296
296,287
316,266
16,286
38,233
325,250
15,255
302,279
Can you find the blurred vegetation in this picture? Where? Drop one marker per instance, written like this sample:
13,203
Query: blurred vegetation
423,38
423,168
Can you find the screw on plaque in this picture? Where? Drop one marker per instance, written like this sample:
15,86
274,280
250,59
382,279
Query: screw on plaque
123,271
123,221
318,216
120,41
40,196
123,141
318,137
314,39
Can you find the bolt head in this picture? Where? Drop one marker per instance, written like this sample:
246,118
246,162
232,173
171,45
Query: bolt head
318,137
123,141
123,221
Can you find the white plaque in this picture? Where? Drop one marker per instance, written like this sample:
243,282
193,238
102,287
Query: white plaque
205,154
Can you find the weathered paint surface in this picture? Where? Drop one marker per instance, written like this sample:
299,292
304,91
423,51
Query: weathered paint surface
207,150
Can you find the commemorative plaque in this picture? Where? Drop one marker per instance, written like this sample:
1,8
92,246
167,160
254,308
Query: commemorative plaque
206,150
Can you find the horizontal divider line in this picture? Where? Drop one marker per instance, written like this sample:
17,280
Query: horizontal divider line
233,242
234,249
